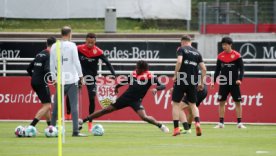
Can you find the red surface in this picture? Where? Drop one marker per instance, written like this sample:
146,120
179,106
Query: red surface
237,28
18,102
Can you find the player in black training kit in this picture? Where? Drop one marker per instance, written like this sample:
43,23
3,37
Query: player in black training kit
230,66
186,81
38,70
139,83
89,55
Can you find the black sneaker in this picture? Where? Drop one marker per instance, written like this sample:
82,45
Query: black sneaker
77,134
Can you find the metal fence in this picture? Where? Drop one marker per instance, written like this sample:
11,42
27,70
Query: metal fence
243,12
165,66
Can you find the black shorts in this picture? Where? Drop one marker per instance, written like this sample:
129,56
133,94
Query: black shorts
179,90
123,102
224,90
43,92
201,95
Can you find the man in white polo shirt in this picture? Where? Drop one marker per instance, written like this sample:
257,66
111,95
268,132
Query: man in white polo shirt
71,75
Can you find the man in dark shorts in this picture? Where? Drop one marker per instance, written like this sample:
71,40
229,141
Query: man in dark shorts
230,66
186,81
139,83
187,121
38,70
89,55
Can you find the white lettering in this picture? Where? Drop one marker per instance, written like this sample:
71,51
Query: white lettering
9,53
216,102
247,100
119,54
208,100
156,52
167,96
30,98
231,103
258,98
1,98
143,54
135,52
271,54
157,99
7,99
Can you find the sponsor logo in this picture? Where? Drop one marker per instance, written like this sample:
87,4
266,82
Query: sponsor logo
9,53
248,50
135,52
255,100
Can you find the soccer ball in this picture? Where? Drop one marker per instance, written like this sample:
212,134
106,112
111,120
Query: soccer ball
30,131
80,123
51,131
98,130
19,131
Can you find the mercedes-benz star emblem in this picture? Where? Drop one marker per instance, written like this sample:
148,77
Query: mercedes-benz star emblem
248,50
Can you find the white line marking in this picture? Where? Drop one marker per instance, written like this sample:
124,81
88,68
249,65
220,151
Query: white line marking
262,152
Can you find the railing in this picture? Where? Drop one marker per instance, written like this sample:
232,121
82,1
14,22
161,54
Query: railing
152,62
244,12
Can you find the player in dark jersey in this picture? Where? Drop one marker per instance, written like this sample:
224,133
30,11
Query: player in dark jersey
89,55
139,83
186,81
230,66
38,70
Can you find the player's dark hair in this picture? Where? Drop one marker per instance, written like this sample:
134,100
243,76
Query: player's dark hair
227,40
186,38
141,67
50,41
91,35
66,30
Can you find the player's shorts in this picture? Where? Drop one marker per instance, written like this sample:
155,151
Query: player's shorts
43,92
179,90
201,95
123,102
224,90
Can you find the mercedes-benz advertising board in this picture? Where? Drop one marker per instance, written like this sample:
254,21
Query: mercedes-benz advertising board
112,49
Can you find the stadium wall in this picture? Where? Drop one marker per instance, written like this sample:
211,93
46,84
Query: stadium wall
19,102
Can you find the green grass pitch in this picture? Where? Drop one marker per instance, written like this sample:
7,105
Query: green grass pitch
139,139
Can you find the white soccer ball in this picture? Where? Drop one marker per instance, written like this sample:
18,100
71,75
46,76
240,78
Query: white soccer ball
30,131
98,130
51,131
80,123
19,131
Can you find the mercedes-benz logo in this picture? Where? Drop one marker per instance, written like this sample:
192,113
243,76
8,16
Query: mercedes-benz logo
248,50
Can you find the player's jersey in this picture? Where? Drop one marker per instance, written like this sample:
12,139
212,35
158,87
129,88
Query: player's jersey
190,63
230,64
89,58
39,67
139,85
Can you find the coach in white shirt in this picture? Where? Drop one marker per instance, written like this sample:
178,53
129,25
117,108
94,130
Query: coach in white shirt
71,75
